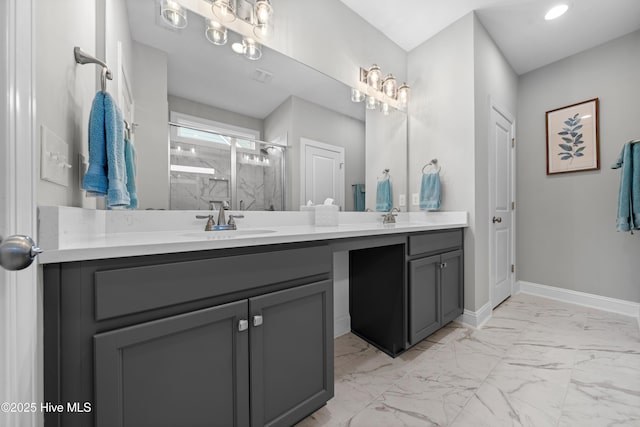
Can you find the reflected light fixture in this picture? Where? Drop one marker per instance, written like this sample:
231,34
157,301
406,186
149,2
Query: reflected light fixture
356,95
173,14
556,12
371,103
216,33
251,49
377,91
262,22
225,10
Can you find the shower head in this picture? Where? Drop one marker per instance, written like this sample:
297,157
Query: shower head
265,150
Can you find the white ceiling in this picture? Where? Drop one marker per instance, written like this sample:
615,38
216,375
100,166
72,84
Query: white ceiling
517,26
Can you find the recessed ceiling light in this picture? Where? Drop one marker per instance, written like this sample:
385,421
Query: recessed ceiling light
556,12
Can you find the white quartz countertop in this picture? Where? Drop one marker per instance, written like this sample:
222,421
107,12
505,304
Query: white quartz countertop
74,234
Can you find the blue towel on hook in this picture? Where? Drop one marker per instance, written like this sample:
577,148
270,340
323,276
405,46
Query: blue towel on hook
383,196
130,162
430,191
629,196
107,174
95,180
117,194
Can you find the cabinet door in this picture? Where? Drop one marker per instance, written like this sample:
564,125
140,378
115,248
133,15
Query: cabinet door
452,286
187,370
424,298
291,353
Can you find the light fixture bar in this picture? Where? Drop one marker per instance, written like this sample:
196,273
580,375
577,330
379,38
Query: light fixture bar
375,97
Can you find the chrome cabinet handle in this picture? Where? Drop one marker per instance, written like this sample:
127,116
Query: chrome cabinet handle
18,252
243,325
257,320
443,265
497,219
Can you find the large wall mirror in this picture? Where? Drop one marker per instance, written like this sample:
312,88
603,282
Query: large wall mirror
265,134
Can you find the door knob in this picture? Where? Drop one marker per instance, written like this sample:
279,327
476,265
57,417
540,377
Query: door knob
497,219
17,252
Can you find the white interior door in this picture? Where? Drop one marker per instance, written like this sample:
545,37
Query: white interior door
501,199
322,172
20,299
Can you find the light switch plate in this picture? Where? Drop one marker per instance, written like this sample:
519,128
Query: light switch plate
54,158
415,199
402,200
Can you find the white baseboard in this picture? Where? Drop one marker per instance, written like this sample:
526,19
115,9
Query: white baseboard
341,326
627,308
478,318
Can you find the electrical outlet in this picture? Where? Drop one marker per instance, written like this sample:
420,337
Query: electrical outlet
415,199
402,200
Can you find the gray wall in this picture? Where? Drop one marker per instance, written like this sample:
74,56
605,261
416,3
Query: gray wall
453,77
151,138
494,80
197,109
441,125
64,89
566,223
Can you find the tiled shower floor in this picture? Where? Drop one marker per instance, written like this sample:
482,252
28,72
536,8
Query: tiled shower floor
537,362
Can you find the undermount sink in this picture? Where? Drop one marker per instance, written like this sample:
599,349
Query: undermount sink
225,234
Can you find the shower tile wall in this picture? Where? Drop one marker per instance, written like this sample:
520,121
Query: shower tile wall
194,190
258,186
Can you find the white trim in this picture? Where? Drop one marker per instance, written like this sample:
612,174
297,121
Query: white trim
341,326
20,294
627,308
476,319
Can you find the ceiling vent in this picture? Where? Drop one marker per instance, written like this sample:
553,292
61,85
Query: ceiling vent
262,76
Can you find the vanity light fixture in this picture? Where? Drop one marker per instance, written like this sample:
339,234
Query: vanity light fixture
376,91
556,12
173,14
262,21
216,33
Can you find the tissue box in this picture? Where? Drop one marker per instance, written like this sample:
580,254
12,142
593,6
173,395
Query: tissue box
326,215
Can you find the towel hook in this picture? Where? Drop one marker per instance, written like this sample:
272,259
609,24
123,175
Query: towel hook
434,163
84,58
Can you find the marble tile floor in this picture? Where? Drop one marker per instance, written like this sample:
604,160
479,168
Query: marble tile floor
536,362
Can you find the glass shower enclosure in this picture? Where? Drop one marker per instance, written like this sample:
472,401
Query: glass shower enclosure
209,167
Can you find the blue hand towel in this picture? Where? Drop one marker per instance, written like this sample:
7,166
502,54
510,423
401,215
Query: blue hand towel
130,161
430,191
117,194
359,198
95,180
383,196
629,196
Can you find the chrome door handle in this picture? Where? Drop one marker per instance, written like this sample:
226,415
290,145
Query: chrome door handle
497,219
243,325
257,320
18,252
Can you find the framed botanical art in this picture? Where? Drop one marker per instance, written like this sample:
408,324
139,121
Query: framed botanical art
572,138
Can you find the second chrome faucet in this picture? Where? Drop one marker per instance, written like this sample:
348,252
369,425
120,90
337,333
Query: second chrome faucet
222,222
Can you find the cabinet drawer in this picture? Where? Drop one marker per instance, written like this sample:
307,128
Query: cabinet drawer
132,290
437,241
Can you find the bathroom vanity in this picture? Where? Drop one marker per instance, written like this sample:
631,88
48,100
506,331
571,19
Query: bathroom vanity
217,330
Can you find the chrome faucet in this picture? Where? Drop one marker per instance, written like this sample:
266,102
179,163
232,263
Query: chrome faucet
389,217
223,205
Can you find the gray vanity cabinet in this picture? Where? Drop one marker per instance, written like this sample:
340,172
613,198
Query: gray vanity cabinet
436,283
291,347
191,369
234,337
